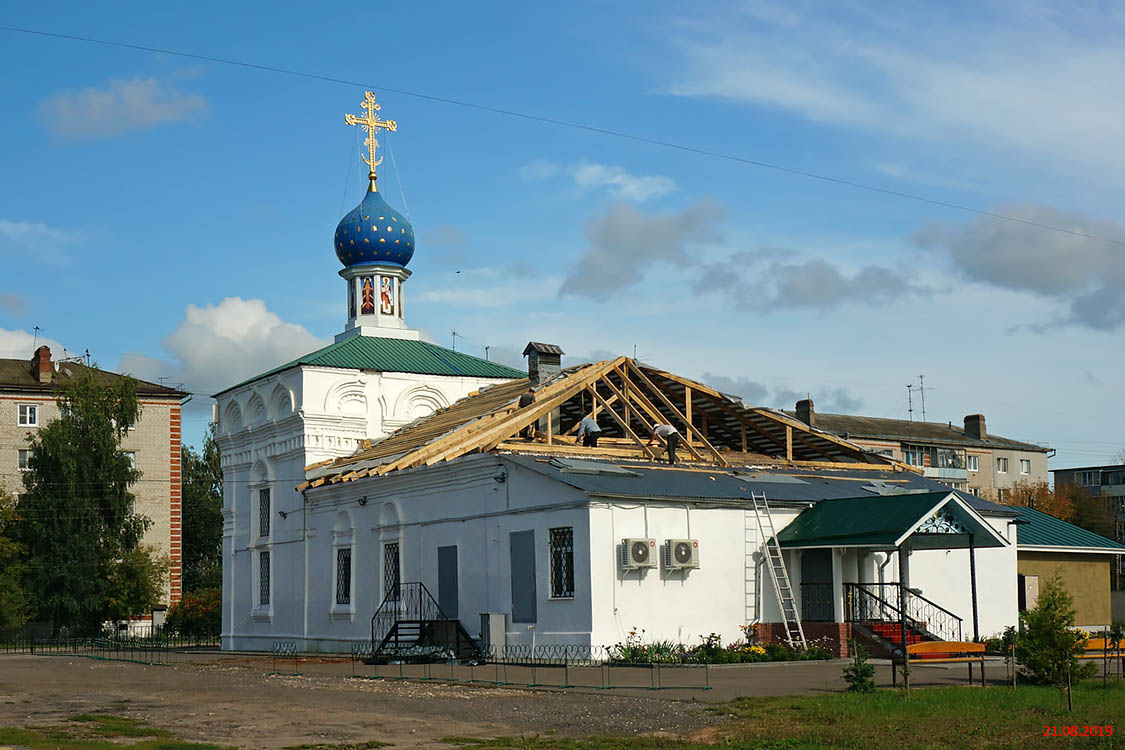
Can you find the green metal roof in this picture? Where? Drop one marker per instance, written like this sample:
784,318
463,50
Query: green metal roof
395,355
879,521
1044,530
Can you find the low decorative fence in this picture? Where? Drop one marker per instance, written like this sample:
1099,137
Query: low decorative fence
143,650
560,666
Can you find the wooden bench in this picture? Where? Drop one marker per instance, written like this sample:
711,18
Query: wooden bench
944,652
1102,648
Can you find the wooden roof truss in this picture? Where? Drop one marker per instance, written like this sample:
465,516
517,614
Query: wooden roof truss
628,399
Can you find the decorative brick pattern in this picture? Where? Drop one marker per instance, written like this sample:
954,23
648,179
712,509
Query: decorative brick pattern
837,633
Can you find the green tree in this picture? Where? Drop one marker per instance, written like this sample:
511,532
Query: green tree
76,517
1048,645
202,516
13,602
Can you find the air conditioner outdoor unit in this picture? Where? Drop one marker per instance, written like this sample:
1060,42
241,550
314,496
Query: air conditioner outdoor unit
637,554
681,554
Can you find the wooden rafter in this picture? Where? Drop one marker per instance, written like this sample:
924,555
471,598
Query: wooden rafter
675,412
621,422
654,413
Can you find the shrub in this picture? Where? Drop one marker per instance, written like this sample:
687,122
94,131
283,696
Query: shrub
860,675
197,614
1048,645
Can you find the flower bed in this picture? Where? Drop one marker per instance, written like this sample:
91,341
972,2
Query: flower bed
635,650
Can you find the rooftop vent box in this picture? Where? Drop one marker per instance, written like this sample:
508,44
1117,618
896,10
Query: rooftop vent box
638,554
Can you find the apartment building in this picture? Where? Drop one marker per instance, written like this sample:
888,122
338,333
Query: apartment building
28,392
965,457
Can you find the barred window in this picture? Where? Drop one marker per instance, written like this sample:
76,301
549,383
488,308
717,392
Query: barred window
344,575
264,578
561,542
264,512
391,577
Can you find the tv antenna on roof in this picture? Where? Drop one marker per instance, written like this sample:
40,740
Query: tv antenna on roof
909,402
922,389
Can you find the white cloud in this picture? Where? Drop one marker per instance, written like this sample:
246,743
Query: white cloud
21,344
620,183
216,346
34,231
122,105
589,176
1040,81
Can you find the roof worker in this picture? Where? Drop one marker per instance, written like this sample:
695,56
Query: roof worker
589,432
670,436
527,399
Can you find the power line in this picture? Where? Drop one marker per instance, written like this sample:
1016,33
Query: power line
569,124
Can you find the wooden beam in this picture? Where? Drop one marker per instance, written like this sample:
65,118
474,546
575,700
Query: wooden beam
654,413
550,427
626,428
788,443
742,430
676,412
687,409
574,428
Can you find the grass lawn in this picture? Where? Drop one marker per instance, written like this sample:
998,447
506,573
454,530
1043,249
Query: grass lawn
952,717
97,732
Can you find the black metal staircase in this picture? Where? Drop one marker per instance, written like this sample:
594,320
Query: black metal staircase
410,625
875,611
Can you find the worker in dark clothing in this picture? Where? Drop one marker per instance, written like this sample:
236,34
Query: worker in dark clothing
670,436
589,432
527,399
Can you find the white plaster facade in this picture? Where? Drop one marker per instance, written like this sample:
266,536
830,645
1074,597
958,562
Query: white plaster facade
476,502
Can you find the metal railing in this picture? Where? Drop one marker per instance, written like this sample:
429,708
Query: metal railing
882,602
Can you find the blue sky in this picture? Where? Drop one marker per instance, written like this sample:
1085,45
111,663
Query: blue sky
174,216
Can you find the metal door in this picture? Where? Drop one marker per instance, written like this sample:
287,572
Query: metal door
447,594
523,576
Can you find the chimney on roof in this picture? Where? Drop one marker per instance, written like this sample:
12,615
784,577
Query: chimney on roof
41,368
974,426
805,412
544,361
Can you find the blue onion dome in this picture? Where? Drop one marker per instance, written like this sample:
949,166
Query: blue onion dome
373,232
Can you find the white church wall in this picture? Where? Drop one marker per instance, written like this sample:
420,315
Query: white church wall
720,596
285,422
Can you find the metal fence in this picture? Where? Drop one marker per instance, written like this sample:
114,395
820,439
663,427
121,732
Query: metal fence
560,666
144,650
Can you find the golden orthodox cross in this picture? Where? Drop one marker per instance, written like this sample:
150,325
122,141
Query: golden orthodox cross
371,123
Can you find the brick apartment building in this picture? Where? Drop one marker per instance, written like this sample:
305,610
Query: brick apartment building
966,457
28,402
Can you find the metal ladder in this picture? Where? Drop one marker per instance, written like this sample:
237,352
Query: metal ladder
794,633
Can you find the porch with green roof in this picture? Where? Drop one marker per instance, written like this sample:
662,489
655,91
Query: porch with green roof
832,548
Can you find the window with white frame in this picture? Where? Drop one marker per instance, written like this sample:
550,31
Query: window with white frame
1001,495
264,578
28,415
1025,466
24,459
132,456
264,512
1001,465
561,541
344,575
972,462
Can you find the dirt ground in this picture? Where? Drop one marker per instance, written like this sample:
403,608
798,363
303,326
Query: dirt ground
235,700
